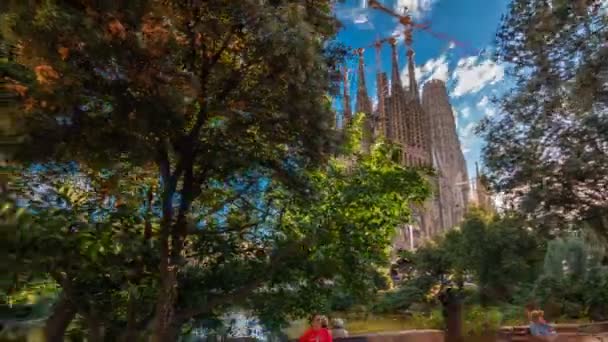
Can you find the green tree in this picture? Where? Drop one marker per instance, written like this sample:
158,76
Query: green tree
547,147
571,275
270,250
498,251
204,91
98,249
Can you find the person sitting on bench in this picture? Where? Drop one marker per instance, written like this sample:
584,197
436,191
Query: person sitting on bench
540,328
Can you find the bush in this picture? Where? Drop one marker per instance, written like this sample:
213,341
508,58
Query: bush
434,320
513,315
573,310
574,298
342,302
471,296
382,281
596,294
398,300
479,321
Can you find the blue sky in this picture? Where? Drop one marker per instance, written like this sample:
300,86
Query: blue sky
463,29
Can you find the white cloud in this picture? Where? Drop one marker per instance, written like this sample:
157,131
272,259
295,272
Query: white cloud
436,68
489,111
356,15
432,69
417,8
467,137
483,102
471,75
452,45
466,112
361,19
486,106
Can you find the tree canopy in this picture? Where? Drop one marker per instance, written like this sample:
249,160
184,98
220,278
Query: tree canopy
177,163
202,93
547,150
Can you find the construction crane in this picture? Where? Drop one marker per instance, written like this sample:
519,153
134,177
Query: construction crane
410,26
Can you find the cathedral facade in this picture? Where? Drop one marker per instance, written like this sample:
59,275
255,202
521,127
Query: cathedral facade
424,129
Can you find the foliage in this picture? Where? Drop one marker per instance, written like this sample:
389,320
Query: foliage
546,150
103,248
479,321
401,298
569,285
486,248
434,320
226,103
355,214
596,294
499,252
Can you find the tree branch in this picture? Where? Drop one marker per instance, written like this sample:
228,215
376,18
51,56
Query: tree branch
275,265
231,83
218,54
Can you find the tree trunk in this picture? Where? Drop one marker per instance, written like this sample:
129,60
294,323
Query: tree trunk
95,328
56,325
174,330
165,306
131,334
454,323
452,313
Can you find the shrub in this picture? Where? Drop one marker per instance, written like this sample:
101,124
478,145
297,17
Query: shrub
471,296
596,294
513,315
399,299
479,321
342,302
434,320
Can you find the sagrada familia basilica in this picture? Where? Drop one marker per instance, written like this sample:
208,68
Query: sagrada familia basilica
424,128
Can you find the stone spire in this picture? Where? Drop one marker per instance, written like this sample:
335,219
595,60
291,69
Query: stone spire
364,104
396,85
413,85
384,120
448,158
348,113
483,198
382,125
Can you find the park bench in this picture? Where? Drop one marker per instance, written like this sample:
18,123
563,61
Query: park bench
566,332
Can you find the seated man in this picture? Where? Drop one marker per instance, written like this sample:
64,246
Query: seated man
539,328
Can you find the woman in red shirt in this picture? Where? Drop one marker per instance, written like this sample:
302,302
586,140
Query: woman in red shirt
317,333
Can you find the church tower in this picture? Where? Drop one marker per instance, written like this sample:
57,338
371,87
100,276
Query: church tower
417,125
423,127
448,159
364,105
346,104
